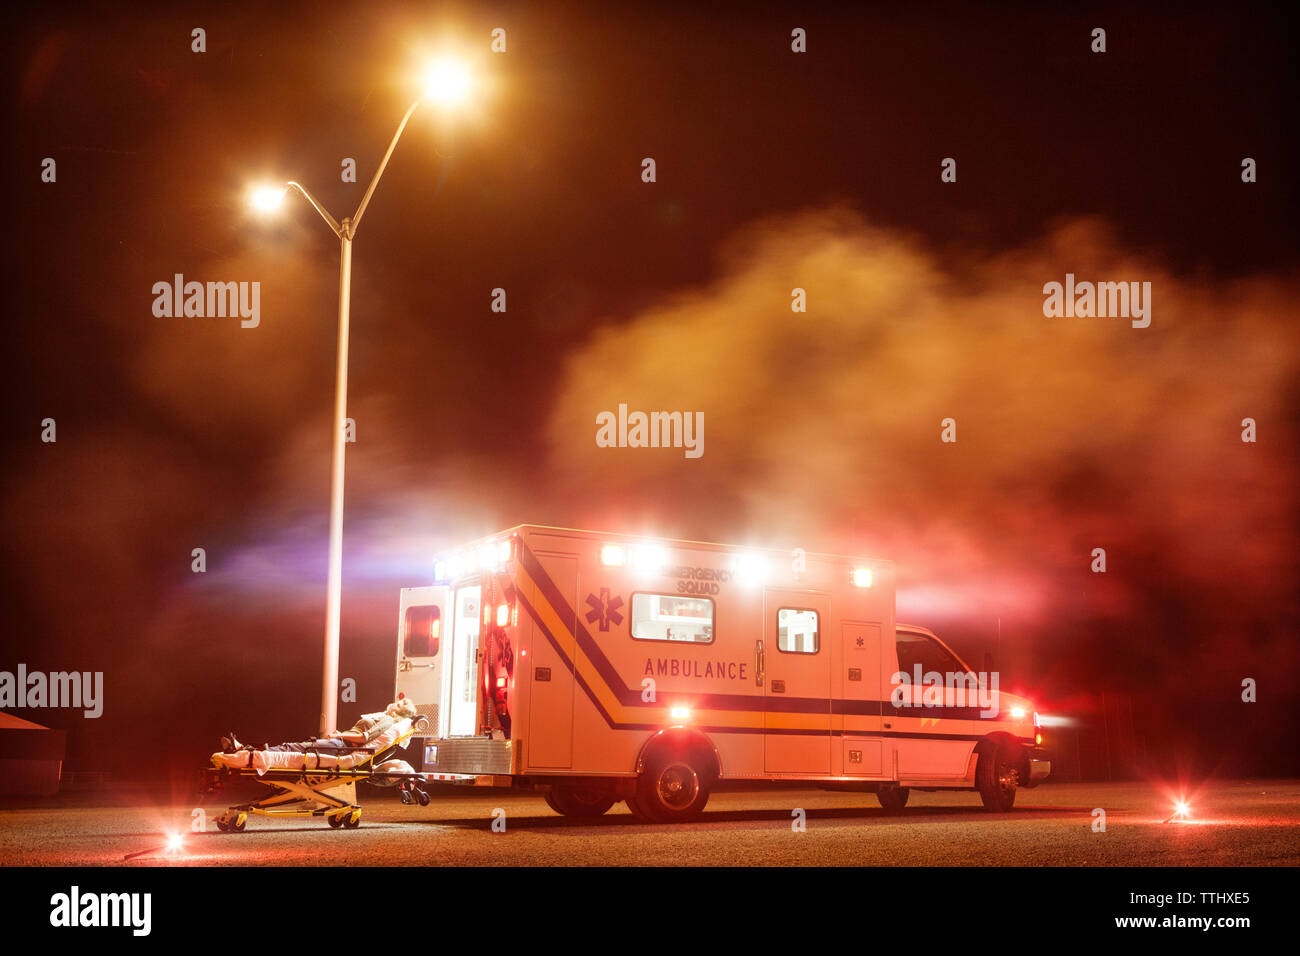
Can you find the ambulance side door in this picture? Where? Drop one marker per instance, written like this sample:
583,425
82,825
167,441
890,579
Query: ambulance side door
796,658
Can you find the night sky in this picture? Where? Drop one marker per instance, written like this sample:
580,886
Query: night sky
775,170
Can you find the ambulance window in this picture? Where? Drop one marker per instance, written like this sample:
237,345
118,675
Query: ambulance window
420,631
921,649
797,630
672,617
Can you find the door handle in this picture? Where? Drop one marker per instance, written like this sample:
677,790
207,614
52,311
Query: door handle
760,663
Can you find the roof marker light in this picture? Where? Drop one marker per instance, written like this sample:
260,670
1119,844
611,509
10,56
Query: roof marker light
649,558
748,569
862,577
613,555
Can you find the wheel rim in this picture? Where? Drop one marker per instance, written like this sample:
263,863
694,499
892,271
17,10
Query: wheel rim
1008,778
678,785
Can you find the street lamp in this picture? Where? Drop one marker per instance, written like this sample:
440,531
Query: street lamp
446,83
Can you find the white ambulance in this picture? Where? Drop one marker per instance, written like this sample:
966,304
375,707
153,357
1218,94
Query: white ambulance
605,667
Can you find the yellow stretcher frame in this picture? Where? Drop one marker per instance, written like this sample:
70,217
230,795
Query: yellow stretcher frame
329,792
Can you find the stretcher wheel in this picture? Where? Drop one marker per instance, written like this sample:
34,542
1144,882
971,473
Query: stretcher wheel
222,825
422,798
336,820
237,824
352,820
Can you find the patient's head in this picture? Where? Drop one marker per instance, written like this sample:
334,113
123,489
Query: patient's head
402,707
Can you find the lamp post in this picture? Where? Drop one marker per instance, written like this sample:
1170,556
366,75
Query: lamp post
446,83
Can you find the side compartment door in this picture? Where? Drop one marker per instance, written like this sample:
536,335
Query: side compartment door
796,657
858,706
420,650
548,741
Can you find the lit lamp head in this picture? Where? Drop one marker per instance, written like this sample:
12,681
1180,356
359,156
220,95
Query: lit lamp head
447,83
267,198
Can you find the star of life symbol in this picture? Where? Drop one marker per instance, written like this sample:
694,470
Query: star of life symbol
604,609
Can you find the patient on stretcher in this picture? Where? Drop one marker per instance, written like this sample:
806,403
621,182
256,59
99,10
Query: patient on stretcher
365,730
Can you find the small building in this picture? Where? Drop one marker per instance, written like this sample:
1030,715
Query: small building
31,757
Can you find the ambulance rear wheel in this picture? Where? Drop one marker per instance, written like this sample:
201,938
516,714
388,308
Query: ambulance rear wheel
671,789
578,802
893,799
996,779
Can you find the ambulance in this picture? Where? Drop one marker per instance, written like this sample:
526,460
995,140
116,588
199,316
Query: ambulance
599,668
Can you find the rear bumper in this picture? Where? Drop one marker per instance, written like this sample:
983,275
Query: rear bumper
465,756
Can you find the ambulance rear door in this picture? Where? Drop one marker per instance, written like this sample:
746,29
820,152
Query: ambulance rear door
421,623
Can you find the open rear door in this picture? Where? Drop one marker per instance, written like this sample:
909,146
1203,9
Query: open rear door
421,628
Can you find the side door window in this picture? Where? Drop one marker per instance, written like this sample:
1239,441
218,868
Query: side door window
798,630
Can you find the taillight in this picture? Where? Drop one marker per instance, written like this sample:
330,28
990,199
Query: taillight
1038,731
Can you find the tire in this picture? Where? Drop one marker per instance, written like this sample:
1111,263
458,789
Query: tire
673,788
637,813
222,825
893,799
352,820
579,801
237,824
421,798
996,779
335,820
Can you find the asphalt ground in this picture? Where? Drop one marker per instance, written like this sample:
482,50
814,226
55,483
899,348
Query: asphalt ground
1231,824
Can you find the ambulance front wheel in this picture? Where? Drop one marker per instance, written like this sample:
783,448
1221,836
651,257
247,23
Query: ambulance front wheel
996,778
673,788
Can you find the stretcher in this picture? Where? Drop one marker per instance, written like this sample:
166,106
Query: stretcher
319,782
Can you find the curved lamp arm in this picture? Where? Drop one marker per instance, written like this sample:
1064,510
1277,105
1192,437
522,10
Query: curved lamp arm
365,200
338,230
